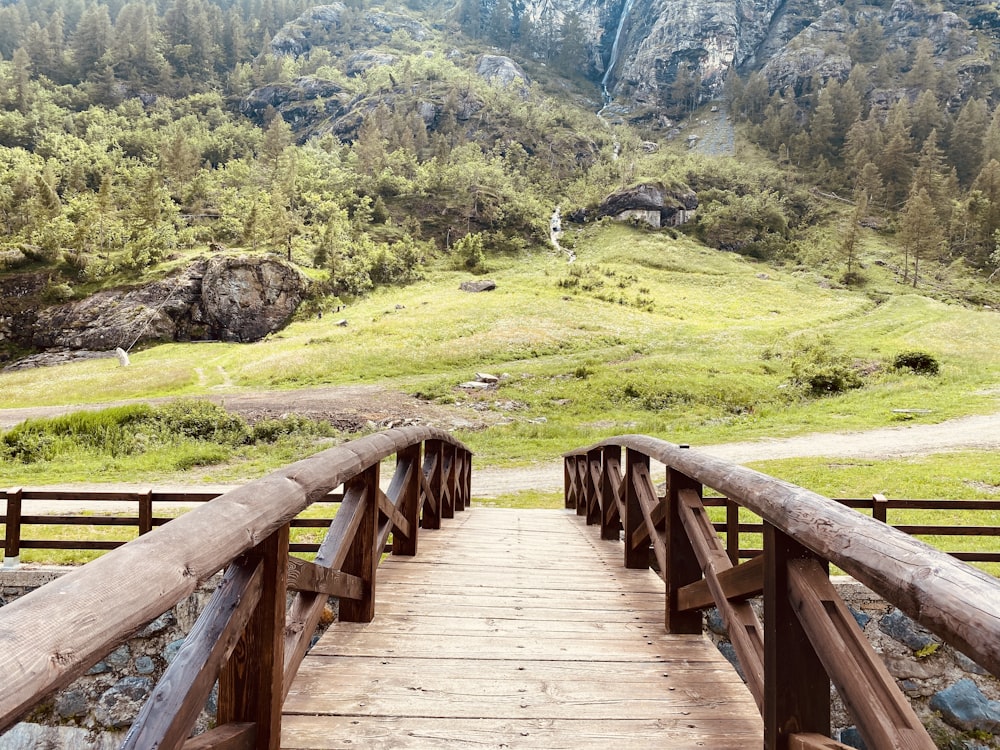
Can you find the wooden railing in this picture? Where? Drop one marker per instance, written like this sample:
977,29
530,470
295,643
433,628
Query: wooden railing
245,638
808,637
878,506
140,514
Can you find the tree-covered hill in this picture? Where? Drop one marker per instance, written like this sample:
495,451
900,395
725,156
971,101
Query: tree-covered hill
363,142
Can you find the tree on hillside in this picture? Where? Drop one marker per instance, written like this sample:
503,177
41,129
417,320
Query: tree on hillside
921,232
966,147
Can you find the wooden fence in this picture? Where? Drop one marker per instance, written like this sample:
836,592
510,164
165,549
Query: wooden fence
808,637
244,638
140,508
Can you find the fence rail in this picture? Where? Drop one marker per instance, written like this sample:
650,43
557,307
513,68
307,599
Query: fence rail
878,506
144,520
245,638
140,514
807,638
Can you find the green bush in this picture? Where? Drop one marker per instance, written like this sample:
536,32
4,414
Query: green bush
202,420
823,370
919,362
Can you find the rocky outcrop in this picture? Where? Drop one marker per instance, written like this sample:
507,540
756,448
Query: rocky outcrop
228,298
304,103
501,71
651,203
246,298
312,28
359,63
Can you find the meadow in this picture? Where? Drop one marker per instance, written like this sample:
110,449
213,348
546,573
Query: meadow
645,333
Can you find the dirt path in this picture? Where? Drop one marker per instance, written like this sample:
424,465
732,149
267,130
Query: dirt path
966,433
347,407
354,407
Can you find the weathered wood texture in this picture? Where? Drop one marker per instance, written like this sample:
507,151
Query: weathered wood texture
955,601
516,629
809,639
57,632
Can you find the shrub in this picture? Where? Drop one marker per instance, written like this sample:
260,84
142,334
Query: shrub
202,420
919,362
822,370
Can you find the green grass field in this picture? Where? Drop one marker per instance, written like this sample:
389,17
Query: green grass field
643,334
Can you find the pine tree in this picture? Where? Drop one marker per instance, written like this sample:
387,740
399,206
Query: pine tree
91,40
967,138
895,162
923,74
934,176
922,234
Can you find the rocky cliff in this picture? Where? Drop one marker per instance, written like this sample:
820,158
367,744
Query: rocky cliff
645,54
677,53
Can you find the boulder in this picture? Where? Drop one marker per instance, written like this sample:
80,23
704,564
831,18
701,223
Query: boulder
245,298
486,285
501,71
652,203
964,706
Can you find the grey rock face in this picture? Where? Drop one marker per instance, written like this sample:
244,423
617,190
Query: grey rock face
501,71
246,298
359,63
651,202
299,36
229,298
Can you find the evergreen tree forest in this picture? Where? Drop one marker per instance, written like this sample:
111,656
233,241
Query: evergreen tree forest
910,136
136,135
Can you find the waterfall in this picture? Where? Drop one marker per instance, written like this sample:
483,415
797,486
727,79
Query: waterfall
614,50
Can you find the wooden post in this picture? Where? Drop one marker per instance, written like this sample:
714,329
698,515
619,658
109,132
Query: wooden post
145,511
580,467
446,488
796,686
634,518
733,531
409,502
611,479
468,479
594,486
569,490
431,482
362,559
462,467
12,543
250,685
879,507
682,564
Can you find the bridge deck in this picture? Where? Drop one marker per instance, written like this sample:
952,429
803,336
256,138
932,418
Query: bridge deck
518,629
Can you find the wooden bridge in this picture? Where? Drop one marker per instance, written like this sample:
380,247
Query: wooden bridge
508,629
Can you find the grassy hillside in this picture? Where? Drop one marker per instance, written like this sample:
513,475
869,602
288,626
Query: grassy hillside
644,333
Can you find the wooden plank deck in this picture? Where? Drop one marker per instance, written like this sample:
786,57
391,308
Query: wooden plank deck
516,629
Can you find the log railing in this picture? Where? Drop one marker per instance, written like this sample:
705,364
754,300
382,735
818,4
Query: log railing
244,638
807,637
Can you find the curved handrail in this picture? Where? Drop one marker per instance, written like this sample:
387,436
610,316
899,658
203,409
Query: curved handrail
955,601
54,634
808,638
